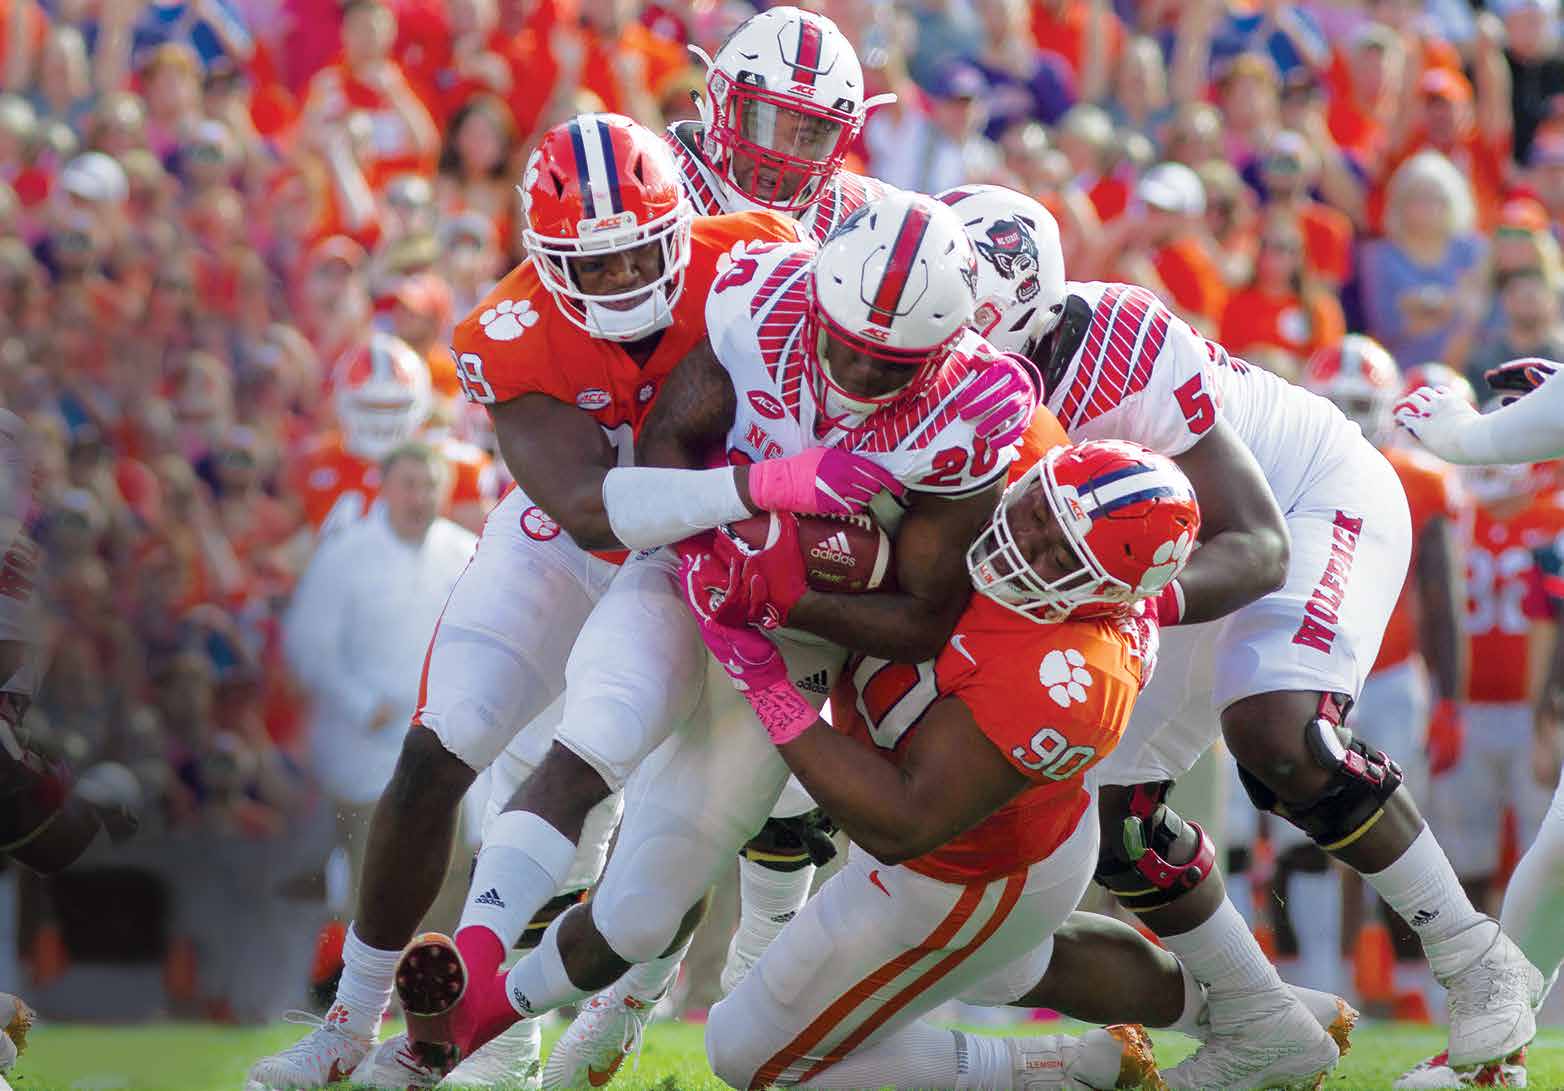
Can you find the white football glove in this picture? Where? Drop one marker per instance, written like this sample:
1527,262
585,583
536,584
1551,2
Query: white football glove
1436,415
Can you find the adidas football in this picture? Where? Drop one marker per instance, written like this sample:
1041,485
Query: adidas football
841,553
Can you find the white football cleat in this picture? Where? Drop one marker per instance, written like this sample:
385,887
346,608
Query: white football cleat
1491,999
510,1061
326,1055
394,1066
1106,1058
607,1030
1437,1073
513,1060
1260,1044
1334,1015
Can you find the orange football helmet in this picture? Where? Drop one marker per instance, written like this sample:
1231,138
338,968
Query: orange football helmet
596,185
382,394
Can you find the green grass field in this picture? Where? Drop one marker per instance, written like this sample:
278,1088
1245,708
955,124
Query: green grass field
200,1058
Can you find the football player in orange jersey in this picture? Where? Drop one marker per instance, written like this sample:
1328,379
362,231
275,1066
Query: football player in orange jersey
568,352
1423,649
976,834
1510,641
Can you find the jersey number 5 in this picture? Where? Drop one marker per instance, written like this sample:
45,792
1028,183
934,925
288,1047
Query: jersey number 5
1195,404
469,371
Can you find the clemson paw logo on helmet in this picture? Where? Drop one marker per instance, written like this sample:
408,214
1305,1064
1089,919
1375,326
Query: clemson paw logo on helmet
1166,562
1066,676
508,319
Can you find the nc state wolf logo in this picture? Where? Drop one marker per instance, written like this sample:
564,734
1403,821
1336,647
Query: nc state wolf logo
1012,250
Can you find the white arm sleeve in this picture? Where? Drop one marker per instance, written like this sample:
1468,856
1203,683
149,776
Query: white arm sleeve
649,506
1530,429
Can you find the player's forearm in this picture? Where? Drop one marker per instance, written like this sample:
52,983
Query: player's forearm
893,625
1528,430
645,507
867,797
1230,570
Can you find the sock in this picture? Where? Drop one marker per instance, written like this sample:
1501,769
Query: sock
364,991
651,980
538,983
523,863
1222,954
768,899
1189,1023
919,1056
1422,888
1314,908
1533,912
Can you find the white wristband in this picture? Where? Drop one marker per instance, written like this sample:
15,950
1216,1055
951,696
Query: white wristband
649,507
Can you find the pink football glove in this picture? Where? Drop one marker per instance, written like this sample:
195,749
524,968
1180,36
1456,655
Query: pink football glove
820,481
756,668
1000,401
768,581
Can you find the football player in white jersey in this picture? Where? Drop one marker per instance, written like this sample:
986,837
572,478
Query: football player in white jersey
1305,544
1527,430
861,345
568,353
784,101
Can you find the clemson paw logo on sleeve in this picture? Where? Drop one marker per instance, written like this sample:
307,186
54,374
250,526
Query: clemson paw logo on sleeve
1065,675
508,319
1167,560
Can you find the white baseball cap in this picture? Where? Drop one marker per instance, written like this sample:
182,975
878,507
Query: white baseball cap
1172,187
94,176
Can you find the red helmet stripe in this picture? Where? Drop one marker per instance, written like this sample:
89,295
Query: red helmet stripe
899,266
807,62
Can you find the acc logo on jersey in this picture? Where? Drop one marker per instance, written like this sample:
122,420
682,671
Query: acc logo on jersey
539,525
766,405
508,319
594,398
1065,676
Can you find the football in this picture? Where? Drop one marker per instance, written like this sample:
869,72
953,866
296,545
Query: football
849,553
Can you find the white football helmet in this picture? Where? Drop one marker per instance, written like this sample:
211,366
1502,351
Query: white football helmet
895,282
784,100
1360,377
382,395
1020,292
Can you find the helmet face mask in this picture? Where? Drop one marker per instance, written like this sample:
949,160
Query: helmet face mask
889,293
1071,533
777,150
602,187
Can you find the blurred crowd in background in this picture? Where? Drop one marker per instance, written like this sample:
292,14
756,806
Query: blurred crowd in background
214,215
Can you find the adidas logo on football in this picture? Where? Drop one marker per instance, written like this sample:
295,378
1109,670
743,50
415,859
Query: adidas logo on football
835,549
1424,917
490,897
818,682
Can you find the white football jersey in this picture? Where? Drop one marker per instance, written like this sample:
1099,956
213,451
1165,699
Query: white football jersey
1138,372
755,314
844,194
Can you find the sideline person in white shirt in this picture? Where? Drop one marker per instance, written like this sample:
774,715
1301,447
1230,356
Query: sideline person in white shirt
357,629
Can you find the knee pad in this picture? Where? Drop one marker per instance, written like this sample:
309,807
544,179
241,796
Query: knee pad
1135,864
791,844
1362,780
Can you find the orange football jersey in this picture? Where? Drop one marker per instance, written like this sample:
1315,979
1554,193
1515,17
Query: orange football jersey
1041,436
1499,582
1432,491
516,341
1053,698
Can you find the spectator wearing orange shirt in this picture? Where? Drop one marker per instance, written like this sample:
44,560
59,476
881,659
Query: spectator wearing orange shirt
624,63
1086,33
1162,244
479,165
1288,170
1281,307
1439,112
1363,81
368,81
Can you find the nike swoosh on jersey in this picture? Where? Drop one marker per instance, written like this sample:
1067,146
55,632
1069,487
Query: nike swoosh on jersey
874,877
958,642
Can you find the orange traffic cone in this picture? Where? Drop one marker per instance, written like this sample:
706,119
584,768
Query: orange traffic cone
180,971
1373,964
49,956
